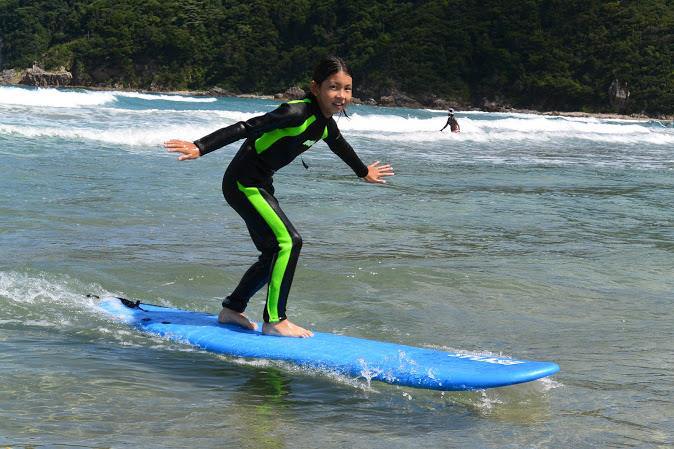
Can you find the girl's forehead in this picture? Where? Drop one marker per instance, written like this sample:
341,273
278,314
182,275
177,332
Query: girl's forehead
340,77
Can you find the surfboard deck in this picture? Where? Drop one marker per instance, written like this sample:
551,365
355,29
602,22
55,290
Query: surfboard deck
354,357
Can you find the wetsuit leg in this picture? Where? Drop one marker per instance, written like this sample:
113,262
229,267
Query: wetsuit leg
278,242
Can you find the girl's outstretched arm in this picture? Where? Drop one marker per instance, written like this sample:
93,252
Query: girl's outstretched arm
376,172
230,134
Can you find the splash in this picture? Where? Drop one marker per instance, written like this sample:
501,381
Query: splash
43,300
293,369
42,289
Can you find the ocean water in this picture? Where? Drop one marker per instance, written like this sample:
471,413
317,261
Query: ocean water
538,237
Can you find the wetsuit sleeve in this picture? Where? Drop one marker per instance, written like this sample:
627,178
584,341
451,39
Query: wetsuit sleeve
243,130
341,148
220,138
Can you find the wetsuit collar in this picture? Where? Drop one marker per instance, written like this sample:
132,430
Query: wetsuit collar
315,108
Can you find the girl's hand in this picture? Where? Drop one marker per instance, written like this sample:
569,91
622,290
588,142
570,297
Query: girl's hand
187,149
375,172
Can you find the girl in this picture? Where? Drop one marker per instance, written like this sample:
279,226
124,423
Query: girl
272,141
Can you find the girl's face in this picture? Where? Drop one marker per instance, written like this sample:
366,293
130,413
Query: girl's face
333,94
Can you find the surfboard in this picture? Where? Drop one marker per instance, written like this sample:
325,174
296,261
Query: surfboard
349,356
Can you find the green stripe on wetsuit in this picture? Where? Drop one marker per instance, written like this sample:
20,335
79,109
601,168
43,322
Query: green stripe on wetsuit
285,246
268,139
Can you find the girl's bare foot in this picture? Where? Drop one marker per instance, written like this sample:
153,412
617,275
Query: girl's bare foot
286,329
230,316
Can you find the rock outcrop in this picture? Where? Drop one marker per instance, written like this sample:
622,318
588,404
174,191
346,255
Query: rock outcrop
219,92
393,97
36,76
496,105
10,76
292,93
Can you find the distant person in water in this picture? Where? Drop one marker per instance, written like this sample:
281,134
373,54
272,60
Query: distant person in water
272,141
451,122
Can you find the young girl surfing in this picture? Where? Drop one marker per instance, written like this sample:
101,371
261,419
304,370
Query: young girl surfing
273,140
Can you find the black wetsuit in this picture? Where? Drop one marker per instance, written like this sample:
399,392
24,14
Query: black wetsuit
272,141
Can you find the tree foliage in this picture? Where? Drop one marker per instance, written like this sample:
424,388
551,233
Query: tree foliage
543,54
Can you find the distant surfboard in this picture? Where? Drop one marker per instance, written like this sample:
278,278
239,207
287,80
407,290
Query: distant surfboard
355,357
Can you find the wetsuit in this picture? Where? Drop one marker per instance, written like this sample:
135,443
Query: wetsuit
272,141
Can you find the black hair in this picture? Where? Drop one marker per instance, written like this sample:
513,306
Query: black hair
327,67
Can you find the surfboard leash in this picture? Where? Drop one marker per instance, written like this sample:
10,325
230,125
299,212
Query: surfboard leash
127,302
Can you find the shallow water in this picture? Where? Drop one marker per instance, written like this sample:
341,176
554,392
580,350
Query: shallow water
535,237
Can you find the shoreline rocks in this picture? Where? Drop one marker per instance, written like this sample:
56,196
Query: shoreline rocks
10,76
292,93
38,77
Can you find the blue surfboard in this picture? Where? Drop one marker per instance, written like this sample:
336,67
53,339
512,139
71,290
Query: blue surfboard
354,357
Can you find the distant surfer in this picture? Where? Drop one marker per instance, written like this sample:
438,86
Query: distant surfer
273,140
451,122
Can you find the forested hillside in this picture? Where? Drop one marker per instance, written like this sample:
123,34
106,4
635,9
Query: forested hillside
537,54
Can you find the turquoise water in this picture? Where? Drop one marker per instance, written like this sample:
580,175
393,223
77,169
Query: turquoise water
546,238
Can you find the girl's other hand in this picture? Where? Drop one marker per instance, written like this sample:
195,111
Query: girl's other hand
375,172
187,149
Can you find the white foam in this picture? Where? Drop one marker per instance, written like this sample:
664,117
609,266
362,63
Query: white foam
548,383
302,370
509,128
145,136
41,289
147,127
59,98
53,98
165,97
104,120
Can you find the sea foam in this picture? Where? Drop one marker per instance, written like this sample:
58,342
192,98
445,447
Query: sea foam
164,97
53,98
103,117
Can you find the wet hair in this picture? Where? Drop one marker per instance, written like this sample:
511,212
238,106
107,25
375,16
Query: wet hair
329,66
